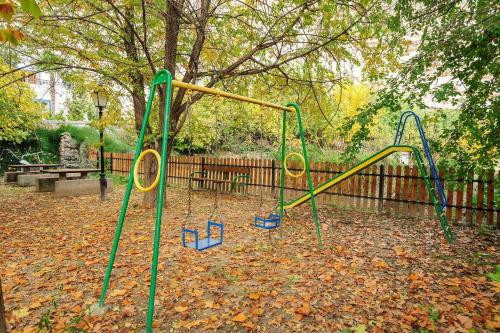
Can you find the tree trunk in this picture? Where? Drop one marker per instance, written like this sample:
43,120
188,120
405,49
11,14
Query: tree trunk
150,169
172,23
3,324
139,101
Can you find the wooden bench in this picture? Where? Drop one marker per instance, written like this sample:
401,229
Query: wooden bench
235,175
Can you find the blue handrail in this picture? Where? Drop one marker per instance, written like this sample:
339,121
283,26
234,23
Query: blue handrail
427,152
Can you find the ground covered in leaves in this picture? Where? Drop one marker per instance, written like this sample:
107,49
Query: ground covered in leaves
374,274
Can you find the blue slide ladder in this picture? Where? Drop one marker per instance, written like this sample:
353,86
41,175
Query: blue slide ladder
434,172
436,190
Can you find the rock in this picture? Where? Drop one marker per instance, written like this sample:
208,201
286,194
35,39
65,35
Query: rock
84,156
69,152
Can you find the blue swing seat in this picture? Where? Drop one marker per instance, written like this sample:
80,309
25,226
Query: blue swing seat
271,222
205,243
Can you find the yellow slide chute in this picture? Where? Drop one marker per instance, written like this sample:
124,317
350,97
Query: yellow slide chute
348,173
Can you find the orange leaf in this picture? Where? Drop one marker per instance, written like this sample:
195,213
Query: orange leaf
35,304
305,309
76,309
254,296
240,317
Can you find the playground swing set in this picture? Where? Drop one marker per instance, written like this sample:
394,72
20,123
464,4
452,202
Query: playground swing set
215,222
216,219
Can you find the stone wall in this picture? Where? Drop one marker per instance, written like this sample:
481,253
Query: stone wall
84,156
72,154
69,152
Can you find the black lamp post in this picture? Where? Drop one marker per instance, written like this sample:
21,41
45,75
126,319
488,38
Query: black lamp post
100,99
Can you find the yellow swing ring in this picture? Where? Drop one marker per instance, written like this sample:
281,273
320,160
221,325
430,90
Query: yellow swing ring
291,174
136,170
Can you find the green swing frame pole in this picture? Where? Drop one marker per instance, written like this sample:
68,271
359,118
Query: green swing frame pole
159,203
159,79
282,171
162,77
165,77
308,173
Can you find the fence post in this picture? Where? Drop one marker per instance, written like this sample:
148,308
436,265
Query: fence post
273,175
381,189
202,183
110,162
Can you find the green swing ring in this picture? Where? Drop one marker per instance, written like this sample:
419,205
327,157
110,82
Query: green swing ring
291,174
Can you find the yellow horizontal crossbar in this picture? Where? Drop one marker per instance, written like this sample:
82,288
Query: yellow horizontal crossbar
221,93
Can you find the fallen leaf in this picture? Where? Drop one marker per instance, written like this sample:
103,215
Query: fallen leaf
180,309
76,309
21,313
254,296
118,292
240,317
305,309
359,328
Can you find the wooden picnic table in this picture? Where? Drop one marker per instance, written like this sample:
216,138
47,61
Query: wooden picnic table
26,168
63,173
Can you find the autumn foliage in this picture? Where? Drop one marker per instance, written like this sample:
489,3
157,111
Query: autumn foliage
374,274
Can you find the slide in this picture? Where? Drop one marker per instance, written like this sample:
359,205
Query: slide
432,188
348,173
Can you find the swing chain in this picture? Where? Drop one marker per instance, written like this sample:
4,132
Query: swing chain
261,134
215,211
276,193
189,215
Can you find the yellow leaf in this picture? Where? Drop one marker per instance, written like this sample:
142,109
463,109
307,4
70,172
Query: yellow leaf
181,308
379,263
78,295
21,313
118,292
254,296
198,292
359,328
240,317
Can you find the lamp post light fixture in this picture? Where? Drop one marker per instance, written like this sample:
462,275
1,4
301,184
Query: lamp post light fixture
100,99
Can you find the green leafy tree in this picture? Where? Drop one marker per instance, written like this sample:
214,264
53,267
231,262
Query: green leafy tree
13,14
19,113
80,107
456,62
244,46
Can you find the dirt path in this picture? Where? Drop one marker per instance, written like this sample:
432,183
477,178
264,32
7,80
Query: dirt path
374,274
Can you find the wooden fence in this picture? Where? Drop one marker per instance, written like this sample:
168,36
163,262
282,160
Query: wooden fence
394,190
